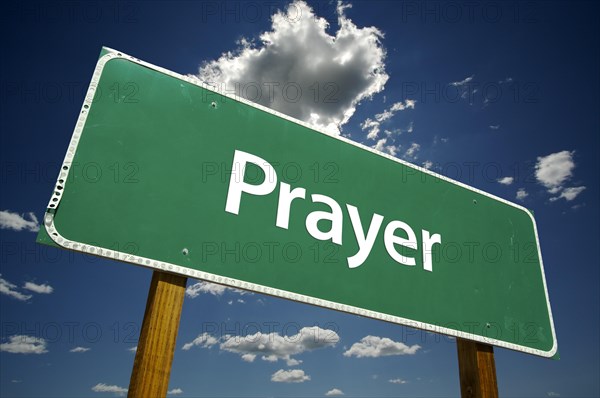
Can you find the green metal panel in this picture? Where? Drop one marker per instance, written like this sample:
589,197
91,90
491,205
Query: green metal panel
148,171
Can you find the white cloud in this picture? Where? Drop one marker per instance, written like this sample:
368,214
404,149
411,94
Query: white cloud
554,170
10,290
271,347
506,180
374,347
381,146
398,381
175,391
101,387
21,344
333,71
569,194
522,194
373,126
80,349
132,349
495,127
199,288
17,222
462,82
506,80
289,376
41,289
553,394
204,340
428,164
411,152
335,392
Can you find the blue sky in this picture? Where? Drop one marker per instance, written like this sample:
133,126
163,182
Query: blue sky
501,96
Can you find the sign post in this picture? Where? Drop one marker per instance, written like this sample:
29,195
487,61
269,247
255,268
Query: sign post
156,345
477,369
293,212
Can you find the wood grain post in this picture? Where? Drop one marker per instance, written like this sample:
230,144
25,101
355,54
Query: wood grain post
477,370
156,346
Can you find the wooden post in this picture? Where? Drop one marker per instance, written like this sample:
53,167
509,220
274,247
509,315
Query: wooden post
477,370
156,346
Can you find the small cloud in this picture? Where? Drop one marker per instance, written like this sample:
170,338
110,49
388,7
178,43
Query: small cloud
462,82
41,289
553,394
175,391
335,392
16,381
506,80
398,381
553,170
382,147
204,340
80,349
495,127
568,194
199,288
132,349
17,222
411,152
506,180
428,164
289,376
101,387
21,344
375,347
522,194
10,290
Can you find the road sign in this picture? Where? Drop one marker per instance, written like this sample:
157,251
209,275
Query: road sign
165,172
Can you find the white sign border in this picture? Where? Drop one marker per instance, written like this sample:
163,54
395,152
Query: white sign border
235,283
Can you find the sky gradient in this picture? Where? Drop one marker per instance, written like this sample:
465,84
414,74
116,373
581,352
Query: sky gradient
500,96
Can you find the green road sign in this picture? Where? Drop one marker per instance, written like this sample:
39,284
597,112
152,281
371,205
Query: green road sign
164,172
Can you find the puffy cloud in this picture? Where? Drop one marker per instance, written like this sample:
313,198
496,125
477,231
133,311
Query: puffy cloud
506,180
175,391
17,222
80,349
398,381
428,164
569,194
21,344
495,127
10,289
101,387
381,146
301,70
522,194
270,347
41,289
411,152
335,392
204,340
374,347
554,170
289,376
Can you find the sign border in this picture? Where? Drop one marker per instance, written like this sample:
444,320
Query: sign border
53,233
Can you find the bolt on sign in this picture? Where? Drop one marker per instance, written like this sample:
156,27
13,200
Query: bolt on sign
165,172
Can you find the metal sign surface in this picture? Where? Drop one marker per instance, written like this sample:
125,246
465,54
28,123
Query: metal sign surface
165,172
